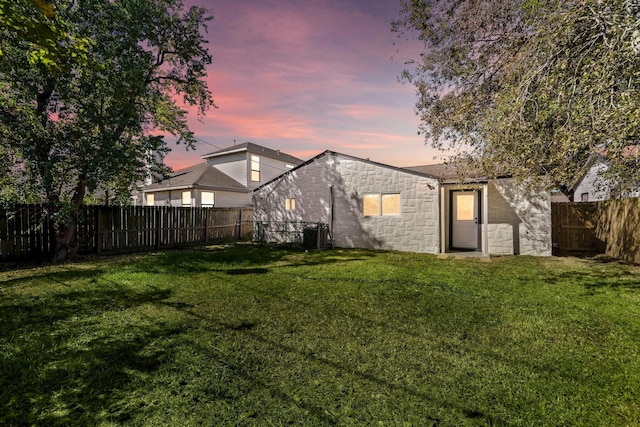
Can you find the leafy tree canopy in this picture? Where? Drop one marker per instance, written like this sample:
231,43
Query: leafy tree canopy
36,21
529,87
79,126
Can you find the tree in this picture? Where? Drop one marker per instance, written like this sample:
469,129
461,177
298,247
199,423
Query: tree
37,22
78,126
529,87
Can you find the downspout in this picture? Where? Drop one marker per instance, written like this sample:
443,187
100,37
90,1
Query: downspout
442,225
331,215
485,219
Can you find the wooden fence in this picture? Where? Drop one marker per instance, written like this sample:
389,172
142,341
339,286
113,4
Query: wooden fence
573,229
618,226
611,227
24,231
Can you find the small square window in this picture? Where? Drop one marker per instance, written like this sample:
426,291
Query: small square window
381,204
150,199
290,204
391,204
207,199
186,198
371,205
584,197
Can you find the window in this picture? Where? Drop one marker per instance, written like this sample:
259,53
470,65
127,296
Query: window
290,204
255,168
584,197
465,207
381,204
371,204
186,198
391,204
207,199
150,199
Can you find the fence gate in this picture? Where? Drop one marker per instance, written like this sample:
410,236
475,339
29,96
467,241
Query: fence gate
573,229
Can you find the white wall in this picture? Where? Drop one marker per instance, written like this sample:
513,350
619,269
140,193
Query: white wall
222,199
234,165
415,229
519,220
593,185
238,167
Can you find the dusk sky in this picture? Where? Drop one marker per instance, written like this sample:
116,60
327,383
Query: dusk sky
309,76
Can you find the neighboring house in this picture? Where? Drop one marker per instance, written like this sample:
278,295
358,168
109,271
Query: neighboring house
225,179
420,209
558,196
591,187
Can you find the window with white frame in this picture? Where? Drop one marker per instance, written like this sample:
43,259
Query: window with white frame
150,199
255,168
207,199
381,204
186,198
290,204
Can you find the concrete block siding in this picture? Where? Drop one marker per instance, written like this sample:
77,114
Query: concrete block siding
336,184
500,238
330,188
519,219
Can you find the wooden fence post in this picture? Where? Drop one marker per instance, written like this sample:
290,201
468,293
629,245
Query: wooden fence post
98,230
158,226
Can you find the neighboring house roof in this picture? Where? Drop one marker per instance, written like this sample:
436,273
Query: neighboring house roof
346,156
202,175
559,197
254,148
599,155
628,151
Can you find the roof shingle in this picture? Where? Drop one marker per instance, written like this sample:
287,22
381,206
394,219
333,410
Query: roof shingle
201,175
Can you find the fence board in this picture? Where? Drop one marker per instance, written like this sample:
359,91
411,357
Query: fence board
573,228
25,232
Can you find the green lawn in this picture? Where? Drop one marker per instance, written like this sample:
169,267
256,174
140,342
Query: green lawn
261,336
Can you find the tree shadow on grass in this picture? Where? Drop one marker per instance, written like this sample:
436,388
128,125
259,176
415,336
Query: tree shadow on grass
68,359
243,257
595,279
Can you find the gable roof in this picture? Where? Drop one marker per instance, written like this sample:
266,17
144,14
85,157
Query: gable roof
254,148
599,157
450,172
202,175
346,156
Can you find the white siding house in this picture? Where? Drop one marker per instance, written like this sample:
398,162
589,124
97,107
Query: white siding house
592,187
225,179
372,205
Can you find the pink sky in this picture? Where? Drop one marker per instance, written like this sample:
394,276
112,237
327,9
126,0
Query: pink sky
308,76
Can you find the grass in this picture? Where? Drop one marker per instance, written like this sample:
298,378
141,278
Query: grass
261,336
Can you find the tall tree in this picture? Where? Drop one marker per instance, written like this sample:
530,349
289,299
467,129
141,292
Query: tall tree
37,22
82,126
529,87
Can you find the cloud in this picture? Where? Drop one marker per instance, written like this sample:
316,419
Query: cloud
304,77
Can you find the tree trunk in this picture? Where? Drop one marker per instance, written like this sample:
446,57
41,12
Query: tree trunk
63,229
65,246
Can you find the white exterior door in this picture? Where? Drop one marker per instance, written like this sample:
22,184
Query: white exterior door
464,220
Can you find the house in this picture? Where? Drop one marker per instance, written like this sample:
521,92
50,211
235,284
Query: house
226,178
592,187
366,204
